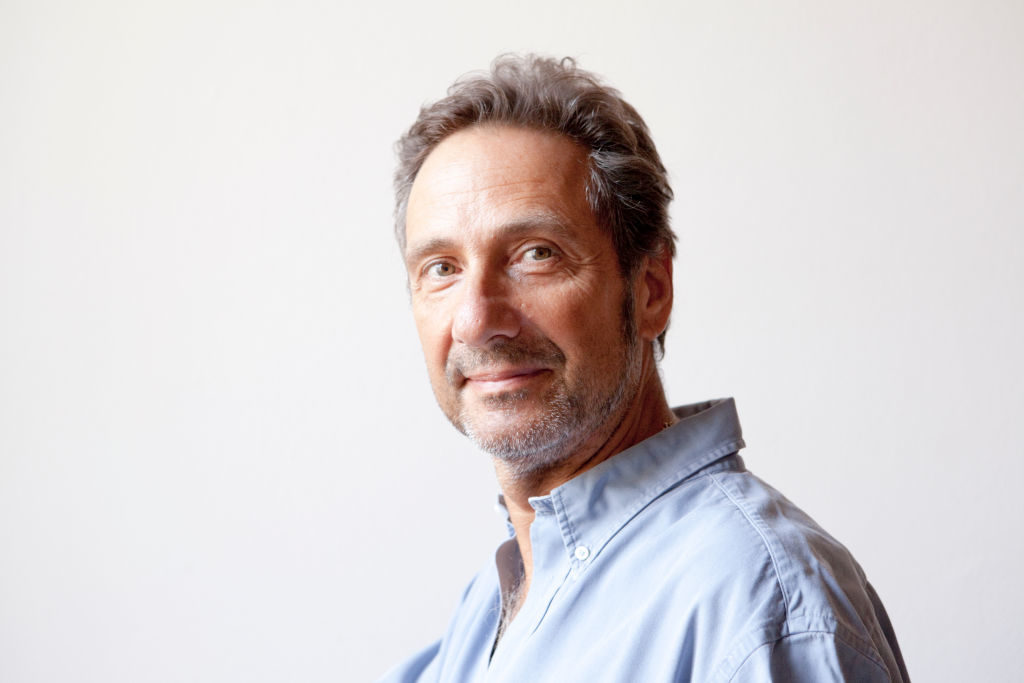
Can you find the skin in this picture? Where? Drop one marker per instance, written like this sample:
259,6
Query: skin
519,300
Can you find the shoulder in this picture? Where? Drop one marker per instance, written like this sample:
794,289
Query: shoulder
812,605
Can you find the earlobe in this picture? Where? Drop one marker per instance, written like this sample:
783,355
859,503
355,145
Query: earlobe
654,301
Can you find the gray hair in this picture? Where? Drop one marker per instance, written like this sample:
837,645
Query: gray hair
627,188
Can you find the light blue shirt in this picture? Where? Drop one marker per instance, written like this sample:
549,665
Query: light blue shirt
670,562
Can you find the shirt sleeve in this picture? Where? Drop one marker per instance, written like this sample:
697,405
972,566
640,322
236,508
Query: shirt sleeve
420,668
817,657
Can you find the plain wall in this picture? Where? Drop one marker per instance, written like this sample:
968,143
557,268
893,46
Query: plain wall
219,456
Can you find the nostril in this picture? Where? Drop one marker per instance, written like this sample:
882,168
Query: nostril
482,318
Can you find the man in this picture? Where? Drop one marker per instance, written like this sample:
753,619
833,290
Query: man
532,216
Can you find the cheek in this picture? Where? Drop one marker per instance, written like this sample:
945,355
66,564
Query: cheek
433,335
581,315
556,305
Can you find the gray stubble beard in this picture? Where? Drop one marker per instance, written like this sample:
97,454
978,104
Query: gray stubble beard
550,439
570,416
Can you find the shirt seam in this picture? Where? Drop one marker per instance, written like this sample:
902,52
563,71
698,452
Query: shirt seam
868,655
565,522
756,522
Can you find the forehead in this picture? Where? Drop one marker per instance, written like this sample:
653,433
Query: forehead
486,176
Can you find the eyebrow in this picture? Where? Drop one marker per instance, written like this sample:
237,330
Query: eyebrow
540,221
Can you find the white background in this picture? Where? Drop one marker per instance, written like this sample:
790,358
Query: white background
219,456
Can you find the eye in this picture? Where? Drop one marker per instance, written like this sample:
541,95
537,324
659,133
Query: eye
441,269
539,253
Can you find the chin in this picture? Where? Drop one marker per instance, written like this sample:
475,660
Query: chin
524,455
526,443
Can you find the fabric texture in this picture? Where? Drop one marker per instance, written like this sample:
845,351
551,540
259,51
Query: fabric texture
670,562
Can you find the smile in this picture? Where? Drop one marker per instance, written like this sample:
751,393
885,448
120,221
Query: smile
503,380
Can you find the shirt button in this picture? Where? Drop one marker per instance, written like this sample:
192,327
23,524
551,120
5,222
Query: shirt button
582,552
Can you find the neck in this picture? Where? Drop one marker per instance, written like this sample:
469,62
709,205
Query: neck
641,417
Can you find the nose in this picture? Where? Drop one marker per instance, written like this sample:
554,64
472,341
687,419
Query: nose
484,310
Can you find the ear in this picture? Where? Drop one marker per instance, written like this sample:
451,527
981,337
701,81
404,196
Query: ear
654,295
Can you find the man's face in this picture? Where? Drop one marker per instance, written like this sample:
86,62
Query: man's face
522,311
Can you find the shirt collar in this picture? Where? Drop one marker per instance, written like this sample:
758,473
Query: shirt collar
594,505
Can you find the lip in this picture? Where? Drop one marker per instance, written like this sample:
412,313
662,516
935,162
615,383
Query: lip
503,380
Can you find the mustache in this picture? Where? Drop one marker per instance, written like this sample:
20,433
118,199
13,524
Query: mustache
464,360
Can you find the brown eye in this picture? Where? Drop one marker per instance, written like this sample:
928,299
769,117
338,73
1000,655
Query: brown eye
441,269
540,253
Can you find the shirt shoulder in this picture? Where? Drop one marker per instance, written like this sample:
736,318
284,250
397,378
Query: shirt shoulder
813,600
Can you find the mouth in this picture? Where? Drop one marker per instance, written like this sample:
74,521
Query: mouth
495,381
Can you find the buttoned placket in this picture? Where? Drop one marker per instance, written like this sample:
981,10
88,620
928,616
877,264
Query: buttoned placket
552,567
